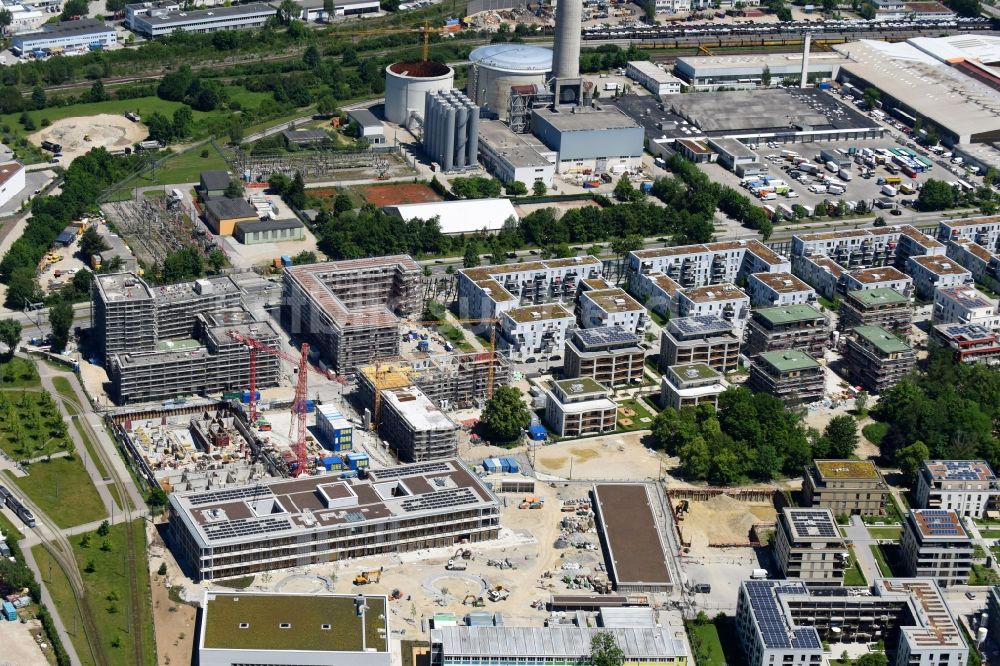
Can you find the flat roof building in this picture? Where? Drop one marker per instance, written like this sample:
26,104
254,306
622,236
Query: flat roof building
653,78
269,231
798,327
877,359
81,35
461,217
237,17
535,330
845,487
984,231
967,487
771,289
965,305
509,156
708,263
705,73
932,273
604,140
223,214
657,291
612,307
243,627
630,534
708,340
718,300
876,307
877,277
351,309
691,384
983,264
580,406
935,546
968,343
808,546
852,249
610,355
293,522
415,428
790,375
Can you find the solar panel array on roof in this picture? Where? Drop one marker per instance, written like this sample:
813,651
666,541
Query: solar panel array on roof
229,494
606,335
963,470
440,499
813,523
410,470
242,528
940,522
771,620
700,325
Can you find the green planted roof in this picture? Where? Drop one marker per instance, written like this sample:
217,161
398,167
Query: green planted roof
881,339
786,314
788,360
879,296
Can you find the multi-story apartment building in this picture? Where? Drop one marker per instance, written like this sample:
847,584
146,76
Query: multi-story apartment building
285,523
535,330
657,291
691,384
350,310
777,289
977,259
877,277
486,291
414,427
876,307
965,305
969,344
967,487
876,358
799,327
845,487
708,340
790,375
984,231
575,407
934,272
935,545
710,263
808,546
612,307
784,622
863,248
831,279
609,355
726,301
820,272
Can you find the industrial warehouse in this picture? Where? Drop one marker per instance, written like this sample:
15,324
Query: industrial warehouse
295,522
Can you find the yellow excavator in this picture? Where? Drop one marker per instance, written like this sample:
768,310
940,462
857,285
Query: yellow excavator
366,577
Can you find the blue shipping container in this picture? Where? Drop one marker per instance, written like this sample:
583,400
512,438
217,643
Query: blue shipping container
357,461
512,466
286,260
537,433
825,85
310,406
9,611
246,396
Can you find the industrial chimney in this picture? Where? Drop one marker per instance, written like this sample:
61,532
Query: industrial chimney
804,83
566,52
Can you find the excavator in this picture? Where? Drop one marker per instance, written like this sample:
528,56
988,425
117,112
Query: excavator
366,577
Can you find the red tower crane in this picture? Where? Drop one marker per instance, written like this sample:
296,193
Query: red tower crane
297,432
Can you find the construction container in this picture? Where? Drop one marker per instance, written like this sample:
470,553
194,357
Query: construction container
336,432
332,463
511,465
310,406
246,397
235,395
358,461
286,260
537,433
9,612
492,465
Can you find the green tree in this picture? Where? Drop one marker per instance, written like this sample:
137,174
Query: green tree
217,260
104,529
842,435
6,18
61,320
182,121
97,93
159,126
162,571
311,57
861,401
765,77
342,203
234,190
288,11
766,228
74,8
605,651
872,97
115,6
21,288
872,659
328,10
909,459
91,242
538,188
624,191
935,195
516,188
37,93
505,415
968,8
326,106
10,335
471,257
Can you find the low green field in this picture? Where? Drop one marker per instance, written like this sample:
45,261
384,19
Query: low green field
883,558
63,490
980,575
875,432
885,532
246,98
181,168
65,390
9,529
641,412
31,425
142,105
706,644
854,577
18,373
62,597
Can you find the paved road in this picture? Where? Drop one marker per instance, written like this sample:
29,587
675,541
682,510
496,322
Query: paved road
857,532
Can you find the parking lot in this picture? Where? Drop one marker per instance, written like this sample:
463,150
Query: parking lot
809,193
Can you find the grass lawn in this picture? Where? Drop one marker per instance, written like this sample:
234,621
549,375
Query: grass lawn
18,373
63,490
246,98
9,529
62,597
660,320
980,575
990,534
28,424
874,432
144,105
454,335
181,168
235,583
885,532
108,590
641,412
706,644
91,450
828,304
65,390
882,559
854,577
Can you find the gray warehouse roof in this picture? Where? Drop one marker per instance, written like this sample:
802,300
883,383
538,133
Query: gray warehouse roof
607,117
268,225
572,642
201,15
365,118
82,27
511,146
225,208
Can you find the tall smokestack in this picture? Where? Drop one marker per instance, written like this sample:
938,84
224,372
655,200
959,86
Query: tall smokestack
566,52
805,61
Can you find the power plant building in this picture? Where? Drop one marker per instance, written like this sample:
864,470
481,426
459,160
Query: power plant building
451,130
509,156
351,309
593,140
243,530
497,67
406,88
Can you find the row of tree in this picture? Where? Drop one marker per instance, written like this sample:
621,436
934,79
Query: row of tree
753,436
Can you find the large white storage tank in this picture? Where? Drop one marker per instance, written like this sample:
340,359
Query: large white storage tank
497,67
407,85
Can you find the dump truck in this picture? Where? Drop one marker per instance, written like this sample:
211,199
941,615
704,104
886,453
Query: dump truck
456,565
498,593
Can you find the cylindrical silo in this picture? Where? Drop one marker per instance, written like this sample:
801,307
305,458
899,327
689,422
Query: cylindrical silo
472,147
497,67
566,51
449,137
406,85
461,127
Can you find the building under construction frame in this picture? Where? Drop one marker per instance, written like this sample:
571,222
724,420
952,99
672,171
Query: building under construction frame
350,310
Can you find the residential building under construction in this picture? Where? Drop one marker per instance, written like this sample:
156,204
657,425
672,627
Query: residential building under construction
350,310
883,307
877,359
800,327
415,428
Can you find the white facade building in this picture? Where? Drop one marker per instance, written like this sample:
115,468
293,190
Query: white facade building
931,273
965,305
535,330
880,277
652,77
771,289
656,291
964,486
510,156
11,181
463,216
237,17
984,231
67,36
708,263
726,301
612,307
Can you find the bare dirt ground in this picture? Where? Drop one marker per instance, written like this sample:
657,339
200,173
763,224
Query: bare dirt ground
559,206
723,519
174,623
616,457
104,130
19,646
